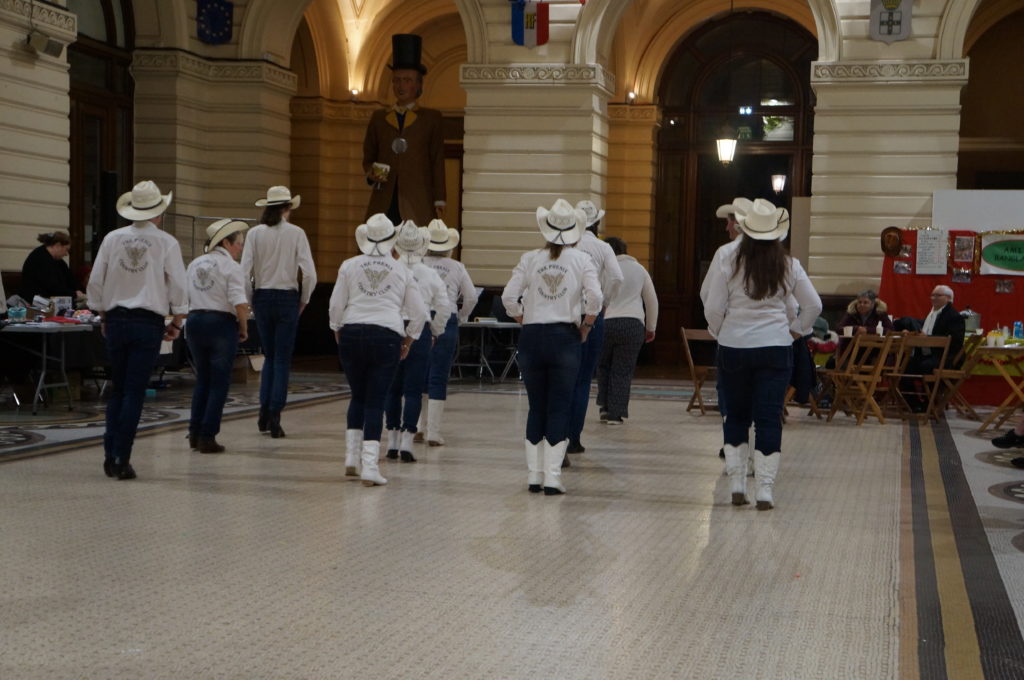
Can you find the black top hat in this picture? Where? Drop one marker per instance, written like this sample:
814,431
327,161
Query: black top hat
405,52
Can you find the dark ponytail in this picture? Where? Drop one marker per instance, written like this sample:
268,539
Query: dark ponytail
273,214
764,265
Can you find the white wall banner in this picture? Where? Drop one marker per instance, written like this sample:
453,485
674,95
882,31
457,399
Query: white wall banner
1002,254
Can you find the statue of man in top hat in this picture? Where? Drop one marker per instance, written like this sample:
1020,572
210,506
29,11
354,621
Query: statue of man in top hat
403,152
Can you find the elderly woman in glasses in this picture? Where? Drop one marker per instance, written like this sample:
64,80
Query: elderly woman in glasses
863,315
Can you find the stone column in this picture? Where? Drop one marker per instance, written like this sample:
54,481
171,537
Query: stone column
327,156
533,133
886,137
34,126
217,133
632,167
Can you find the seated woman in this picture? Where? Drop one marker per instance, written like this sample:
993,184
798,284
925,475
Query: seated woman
45,273
864,314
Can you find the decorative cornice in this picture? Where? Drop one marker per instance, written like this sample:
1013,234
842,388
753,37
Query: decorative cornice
59,23
538,74
952,70
308,108
176,62
632,113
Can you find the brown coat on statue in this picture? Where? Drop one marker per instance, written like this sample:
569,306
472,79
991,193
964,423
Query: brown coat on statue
418,171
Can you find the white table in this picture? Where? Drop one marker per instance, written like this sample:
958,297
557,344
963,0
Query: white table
483,340
44,331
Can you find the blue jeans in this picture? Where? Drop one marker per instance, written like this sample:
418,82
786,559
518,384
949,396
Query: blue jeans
213,341
277,319
549,359
369,354
133,346
408,383
441,357
591,352
754,386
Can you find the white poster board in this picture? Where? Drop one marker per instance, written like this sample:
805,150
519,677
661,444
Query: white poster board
931,251
978,210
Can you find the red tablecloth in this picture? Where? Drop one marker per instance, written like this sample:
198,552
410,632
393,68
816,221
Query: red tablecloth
907,295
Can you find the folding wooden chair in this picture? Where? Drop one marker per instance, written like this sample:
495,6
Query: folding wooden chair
901,382
857,384
950,380
698,374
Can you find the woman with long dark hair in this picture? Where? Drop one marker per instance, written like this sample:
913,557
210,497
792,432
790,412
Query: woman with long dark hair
276,252
555,293
759,300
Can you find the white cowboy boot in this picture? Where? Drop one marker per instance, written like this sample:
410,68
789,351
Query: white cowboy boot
434,415
553,455
392,453
535,465
353,450
371,472
750,461
421,424
736,468
765,470
405,447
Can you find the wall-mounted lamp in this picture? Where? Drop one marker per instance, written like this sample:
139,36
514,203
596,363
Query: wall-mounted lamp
44,44
630,97
726,149
778,183
355,92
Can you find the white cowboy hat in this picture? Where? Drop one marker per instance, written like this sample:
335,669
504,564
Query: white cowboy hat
221,229
442,237
562,224
590,210
739,206
764,222
143,202
377,236
279,196
412,242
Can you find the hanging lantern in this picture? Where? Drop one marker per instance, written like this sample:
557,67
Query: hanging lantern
778,183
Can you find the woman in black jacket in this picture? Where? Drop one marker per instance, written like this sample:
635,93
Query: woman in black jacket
45,273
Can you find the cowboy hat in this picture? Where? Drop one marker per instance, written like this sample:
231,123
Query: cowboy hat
442,238
143,202
221,229
377,236
764,222
279,196
562,224
892,241
412,241
590,210
739,206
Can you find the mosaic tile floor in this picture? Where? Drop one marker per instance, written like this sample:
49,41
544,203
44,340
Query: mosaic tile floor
266,562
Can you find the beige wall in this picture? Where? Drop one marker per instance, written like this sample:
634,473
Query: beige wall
34,147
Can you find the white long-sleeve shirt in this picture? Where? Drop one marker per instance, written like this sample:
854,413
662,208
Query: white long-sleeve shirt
434,294
543,290
215,282
274,256
608,271
377,290
738,321
636,298
139,267
456,280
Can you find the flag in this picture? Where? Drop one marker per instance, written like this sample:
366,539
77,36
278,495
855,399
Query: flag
529,23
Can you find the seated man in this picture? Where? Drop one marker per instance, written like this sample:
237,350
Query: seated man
943,319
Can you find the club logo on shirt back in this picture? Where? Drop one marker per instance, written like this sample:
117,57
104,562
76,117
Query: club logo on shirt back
553,276
204,277
134,259
375,276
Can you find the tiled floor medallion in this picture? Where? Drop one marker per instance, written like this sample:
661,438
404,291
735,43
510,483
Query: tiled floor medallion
1018,542
1011,491
998,457
13,436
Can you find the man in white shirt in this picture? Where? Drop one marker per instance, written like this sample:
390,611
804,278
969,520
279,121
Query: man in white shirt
610,275
137,280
